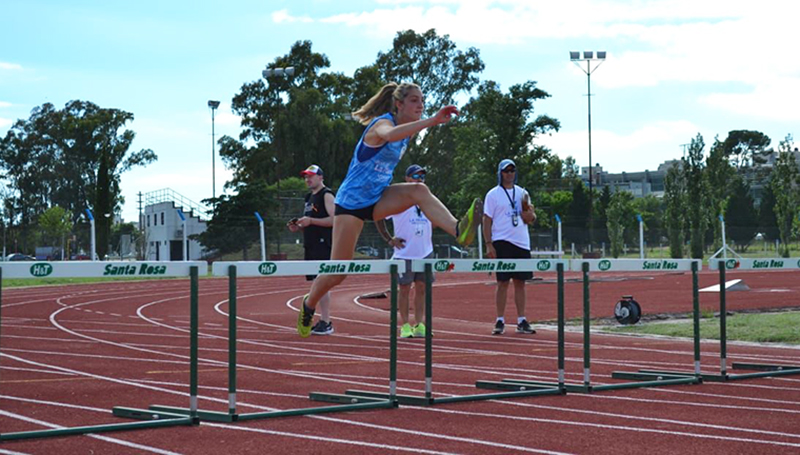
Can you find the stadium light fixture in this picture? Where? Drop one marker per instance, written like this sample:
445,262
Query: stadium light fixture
598,58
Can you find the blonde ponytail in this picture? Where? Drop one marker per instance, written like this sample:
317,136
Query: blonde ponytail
383,101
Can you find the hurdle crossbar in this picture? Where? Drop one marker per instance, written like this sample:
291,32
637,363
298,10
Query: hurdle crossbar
764,370
642,378
344,403
482,266
146,269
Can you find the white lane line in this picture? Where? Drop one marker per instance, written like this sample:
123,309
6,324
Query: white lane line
318,437
95,436
639,418
626,428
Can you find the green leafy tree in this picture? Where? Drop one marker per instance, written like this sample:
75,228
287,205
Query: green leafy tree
767,223
651,208
741,218
73,158
293,121
56,224
675,210
494,126
576,221
746,148
784,186
620,213
720,173
696,193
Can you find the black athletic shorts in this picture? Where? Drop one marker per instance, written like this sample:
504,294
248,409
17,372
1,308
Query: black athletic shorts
507,250
318,252
362,214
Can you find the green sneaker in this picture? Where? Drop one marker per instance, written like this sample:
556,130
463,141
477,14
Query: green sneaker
405,331
304,318
467,228
419,330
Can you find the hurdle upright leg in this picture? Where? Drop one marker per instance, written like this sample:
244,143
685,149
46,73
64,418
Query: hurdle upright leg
765,370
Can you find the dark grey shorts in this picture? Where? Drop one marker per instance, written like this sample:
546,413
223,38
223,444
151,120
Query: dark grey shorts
409,277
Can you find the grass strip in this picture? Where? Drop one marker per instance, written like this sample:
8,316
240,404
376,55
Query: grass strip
783,327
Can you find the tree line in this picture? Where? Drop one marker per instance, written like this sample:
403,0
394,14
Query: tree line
57,164
73,158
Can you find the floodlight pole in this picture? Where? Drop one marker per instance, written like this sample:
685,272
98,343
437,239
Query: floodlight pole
588,57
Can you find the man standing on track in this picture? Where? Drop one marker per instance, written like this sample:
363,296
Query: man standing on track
412,240
317,227
507,211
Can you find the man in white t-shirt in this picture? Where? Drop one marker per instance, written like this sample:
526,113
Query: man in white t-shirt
411,240
507,212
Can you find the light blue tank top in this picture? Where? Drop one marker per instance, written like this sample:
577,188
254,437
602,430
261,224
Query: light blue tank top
366,180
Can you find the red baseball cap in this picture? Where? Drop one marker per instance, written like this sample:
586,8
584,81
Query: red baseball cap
312,170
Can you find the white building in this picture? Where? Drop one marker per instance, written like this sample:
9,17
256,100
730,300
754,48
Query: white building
163,227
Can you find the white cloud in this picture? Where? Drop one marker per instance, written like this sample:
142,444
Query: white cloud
638,150
738,43
283,17
4,104
10,66
4,122
779,100
225,117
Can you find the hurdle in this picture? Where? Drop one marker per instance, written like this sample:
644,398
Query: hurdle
233,270
642,378
764,370
94,269
508,388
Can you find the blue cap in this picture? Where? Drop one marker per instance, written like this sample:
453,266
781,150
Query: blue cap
415,169
504,164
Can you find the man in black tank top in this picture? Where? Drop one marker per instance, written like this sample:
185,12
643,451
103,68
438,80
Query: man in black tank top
317,227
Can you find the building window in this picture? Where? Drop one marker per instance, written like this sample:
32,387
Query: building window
148,220
162,218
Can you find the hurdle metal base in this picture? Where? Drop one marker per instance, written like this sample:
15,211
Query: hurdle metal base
210,416
650,381
347,403
150,420
767,371
517,391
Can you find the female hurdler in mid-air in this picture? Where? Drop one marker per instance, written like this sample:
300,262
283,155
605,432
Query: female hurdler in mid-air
392,117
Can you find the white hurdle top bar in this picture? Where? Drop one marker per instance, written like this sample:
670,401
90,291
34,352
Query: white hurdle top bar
489,265
297,268
94,269
636,265
757,264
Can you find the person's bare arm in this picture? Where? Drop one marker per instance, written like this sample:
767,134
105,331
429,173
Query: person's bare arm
383,131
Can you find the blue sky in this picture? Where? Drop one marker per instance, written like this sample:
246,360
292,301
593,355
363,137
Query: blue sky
674,69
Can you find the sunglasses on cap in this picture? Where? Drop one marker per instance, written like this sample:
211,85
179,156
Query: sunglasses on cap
509,170
417,176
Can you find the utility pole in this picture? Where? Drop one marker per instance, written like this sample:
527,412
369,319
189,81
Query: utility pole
140,242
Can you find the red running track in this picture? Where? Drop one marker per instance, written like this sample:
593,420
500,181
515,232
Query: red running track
71,353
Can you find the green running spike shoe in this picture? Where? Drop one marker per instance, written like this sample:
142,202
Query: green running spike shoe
467,228
304,318
406,331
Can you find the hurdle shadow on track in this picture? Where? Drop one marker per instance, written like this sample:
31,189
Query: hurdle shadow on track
148,418
346,403
642,378
763,370
509,390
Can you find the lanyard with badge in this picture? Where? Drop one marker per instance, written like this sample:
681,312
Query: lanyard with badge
513,201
